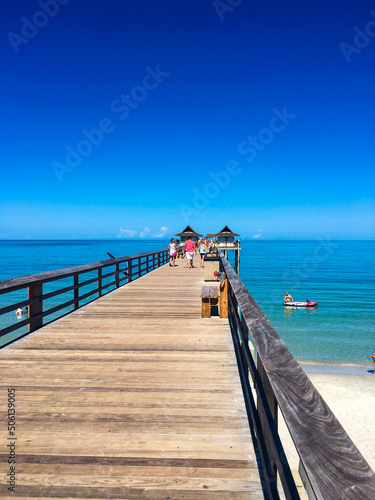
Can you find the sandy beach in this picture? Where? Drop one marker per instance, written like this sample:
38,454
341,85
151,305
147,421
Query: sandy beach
352,400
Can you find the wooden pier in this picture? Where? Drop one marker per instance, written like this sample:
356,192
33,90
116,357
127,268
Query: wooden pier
131,396
135,395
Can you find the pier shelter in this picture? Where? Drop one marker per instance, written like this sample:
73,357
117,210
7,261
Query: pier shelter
225,237
225,240
186,233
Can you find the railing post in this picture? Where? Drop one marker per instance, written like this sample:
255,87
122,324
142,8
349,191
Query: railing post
100,284
245,336
244,328
129,271
270,396
158,259
117,275
76,291
35,308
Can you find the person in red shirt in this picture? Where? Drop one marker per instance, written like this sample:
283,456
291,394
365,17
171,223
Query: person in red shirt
189,246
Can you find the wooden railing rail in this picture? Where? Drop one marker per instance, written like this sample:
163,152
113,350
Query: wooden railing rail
126,270
333,468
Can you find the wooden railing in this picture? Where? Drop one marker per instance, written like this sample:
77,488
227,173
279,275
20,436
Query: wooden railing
126,269
332,467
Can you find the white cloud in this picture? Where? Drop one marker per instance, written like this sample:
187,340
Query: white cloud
126,233
163,231
145,232
259,235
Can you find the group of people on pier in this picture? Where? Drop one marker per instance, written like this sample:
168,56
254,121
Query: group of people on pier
191,248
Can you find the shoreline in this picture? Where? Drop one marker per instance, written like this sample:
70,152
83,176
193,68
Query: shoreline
338,369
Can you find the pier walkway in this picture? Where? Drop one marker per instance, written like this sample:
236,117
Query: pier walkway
131,396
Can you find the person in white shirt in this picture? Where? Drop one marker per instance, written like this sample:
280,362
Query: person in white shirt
172,252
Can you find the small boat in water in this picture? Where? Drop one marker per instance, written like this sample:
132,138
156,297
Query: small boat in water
301,304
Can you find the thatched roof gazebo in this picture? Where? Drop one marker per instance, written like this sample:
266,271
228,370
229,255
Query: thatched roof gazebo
226,235
188,231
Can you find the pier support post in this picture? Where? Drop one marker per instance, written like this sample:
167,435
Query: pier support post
237,260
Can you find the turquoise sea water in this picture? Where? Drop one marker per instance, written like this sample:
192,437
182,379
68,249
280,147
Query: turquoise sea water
339,275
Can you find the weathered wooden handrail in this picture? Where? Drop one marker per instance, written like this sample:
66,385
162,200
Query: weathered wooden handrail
334,467
135,267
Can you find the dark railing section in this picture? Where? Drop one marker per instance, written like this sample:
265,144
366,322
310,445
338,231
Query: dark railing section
108,275
332,466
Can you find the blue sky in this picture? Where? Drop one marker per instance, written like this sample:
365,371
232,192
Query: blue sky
133,119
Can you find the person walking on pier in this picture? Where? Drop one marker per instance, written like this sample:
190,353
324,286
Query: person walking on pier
172,252
189,245
202,251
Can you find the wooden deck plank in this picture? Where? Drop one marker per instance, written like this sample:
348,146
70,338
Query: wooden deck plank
132,396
